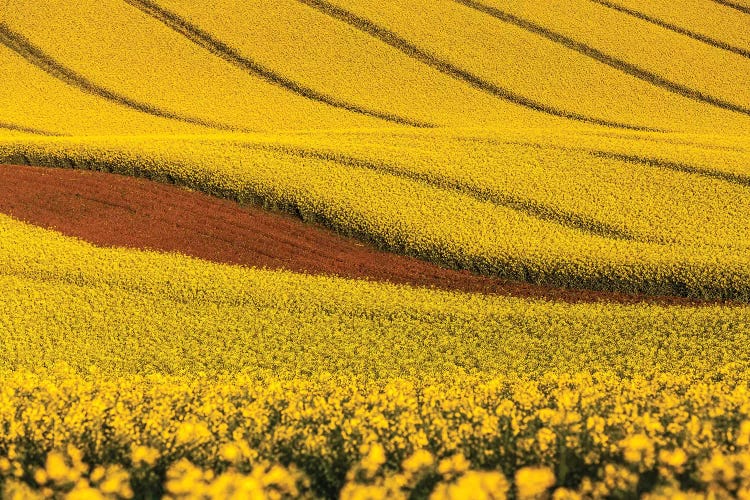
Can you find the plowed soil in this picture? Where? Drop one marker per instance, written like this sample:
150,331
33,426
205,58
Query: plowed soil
113,210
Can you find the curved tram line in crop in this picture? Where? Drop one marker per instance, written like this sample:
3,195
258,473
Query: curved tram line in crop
673,27
220,49
598,55
445,67
21,128
34,55
734,5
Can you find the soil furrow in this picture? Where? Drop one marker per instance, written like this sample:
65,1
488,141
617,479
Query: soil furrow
218,48
613,62
445,67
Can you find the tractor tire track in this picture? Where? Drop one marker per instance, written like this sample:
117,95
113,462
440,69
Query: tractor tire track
392,39
674,166
673,27
738,179
28,130
220,49
613,62
34,55
528,207
734,5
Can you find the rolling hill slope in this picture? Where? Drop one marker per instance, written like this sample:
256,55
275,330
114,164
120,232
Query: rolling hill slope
367,65
567,209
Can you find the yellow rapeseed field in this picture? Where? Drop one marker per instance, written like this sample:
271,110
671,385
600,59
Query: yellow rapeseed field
505,52
120,365
718,27
524,207
595,144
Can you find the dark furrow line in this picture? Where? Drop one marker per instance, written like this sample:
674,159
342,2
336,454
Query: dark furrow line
445,67
734,5
34,55
597,55
29,130
218,48
673,27
531,208
738,179
667,140
106,203
205,207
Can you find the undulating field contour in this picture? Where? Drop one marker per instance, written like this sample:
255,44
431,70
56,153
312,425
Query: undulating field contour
362,249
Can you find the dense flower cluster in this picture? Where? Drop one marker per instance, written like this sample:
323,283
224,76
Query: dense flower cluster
576,436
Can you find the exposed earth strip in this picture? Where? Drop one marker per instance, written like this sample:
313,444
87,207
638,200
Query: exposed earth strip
118,211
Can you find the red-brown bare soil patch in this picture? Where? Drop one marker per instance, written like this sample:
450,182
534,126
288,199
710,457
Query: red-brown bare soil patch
113,210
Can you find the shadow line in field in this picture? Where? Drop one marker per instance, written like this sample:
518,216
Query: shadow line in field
738,179
392,39
34,55
662,164
598,55
734,5
220,49
28,130
673,27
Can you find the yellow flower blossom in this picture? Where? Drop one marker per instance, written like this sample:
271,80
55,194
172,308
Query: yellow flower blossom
531,482
56,468
145,454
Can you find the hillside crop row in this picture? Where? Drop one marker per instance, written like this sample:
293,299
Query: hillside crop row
357,64
574,216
